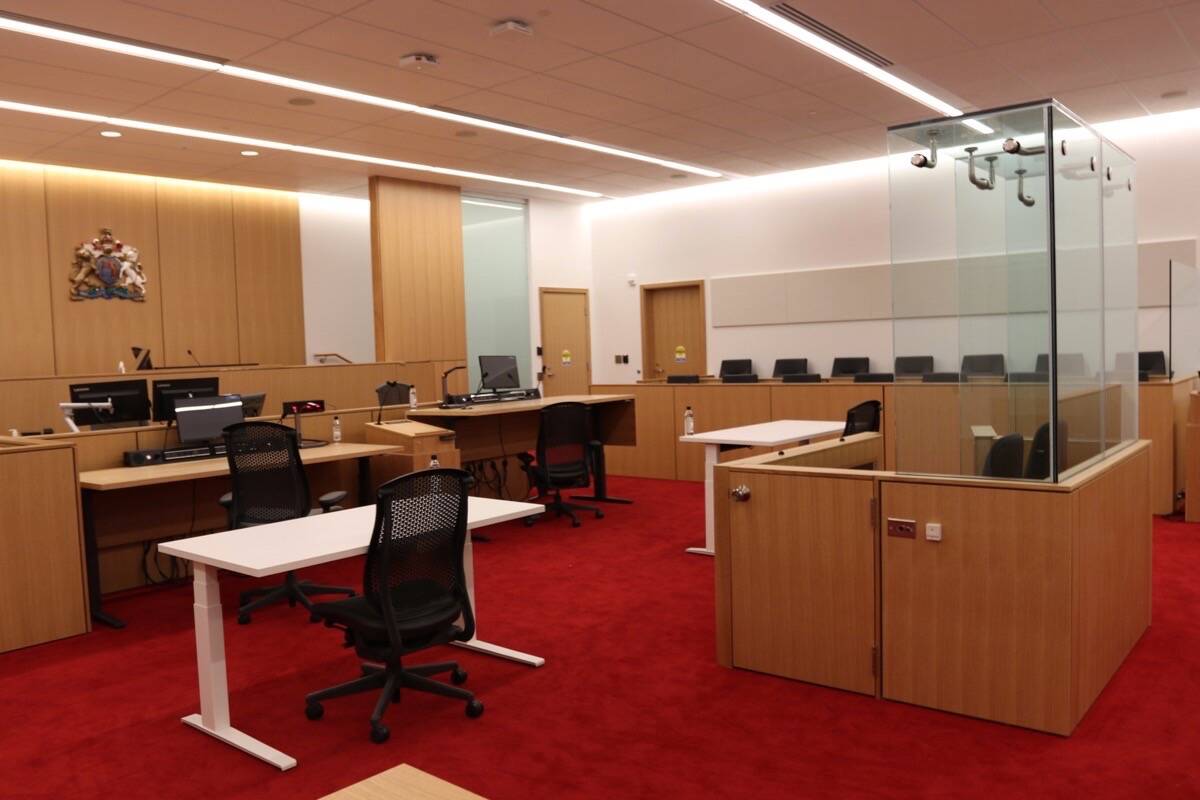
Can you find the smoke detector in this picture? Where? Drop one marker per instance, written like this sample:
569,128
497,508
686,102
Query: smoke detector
418,61
509,27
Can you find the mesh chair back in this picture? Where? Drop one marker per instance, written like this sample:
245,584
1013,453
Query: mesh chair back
269,484
863,418
415,556
1004,457
562,444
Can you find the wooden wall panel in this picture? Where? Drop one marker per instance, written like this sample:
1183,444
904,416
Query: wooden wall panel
93,335
654,454
270,292
199,274
417,265
26,332
716,406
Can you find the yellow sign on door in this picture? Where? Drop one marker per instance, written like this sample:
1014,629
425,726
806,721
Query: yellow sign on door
566,358
680,354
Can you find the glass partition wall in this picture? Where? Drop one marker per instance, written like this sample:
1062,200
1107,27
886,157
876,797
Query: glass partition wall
1015,270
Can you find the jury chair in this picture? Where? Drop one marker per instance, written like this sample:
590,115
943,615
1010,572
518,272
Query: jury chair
269,485
1004,458
863,418
1038,465
561,459
789,366
414,595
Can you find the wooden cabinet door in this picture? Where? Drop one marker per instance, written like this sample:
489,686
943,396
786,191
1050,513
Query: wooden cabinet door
803,564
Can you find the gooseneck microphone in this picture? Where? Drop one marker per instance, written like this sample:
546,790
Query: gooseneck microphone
193,357
445,383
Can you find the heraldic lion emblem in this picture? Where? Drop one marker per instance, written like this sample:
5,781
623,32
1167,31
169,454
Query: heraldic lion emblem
107,268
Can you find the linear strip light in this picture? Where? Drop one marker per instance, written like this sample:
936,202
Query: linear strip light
267,144
843,56
490,204
211,65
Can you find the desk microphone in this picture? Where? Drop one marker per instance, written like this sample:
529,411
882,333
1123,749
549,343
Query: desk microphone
193,357
446,385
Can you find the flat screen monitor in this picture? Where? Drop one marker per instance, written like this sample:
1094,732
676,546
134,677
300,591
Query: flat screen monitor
499,372
202,419
252,404
131,403
167,392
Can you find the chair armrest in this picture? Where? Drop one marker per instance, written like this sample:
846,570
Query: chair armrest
328,500
226,500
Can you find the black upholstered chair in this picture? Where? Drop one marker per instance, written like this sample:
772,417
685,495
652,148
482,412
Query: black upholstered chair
269,485
802,377
863,418
737,370
1005,457
875,377
986,364
1038,465
913,366
789,366
848,366
561,459
414,595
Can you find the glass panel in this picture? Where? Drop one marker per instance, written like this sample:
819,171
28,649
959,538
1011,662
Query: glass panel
1185,317
1080,281
1120,299
496,284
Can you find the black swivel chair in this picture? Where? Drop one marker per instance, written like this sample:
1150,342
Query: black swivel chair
789,366
985,365
863,418
414,593
737,370
1005,457
562,459
1038,466
913,366
875,377
1153,362
269,485
849,366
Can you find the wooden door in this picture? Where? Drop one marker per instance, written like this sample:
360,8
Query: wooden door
674,331
566,342
802,555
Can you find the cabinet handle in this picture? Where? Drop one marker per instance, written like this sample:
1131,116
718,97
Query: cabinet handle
741,494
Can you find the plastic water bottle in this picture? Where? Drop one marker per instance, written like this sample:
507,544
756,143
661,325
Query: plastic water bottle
433,462
412,398
337,429
121,367
689,422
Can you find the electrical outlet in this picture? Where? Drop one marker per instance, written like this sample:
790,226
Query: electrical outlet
904,528
933,531
624,359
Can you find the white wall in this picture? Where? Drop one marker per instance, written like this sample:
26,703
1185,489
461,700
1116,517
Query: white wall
335,253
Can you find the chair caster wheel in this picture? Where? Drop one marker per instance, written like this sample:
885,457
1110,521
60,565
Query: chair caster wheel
243,619
291,602
458,677
599,515
474,709
314,711
380,733
574,523
313,618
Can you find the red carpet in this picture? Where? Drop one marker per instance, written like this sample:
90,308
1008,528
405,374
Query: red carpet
630,703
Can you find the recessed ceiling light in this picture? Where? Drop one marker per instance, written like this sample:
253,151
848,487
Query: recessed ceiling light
249,153
825,47
215,65
301,101
1174,94
267,144
111,134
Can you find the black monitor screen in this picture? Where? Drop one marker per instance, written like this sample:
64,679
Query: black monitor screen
168,391
131,402
252,404
202,419
499,372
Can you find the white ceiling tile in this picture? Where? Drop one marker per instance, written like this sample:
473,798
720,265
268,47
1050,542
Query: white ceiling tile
465,30
278,19
783,157
1077,12
1149,91
557,93
328,6
98,63
548,166
686,129
986,23
574,22
139,164
694,66
524,112
750,121
876,101
1052,62
57,98
816,114
650,142
1141,45
1102,103
833,148
668,16
740,165
613,77
391,143
759,48
360,41
898,30
239,112
275,98
47,76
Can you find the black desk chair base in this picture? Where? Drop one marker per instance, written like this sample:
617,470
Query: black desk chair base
292,590
564,507
390,679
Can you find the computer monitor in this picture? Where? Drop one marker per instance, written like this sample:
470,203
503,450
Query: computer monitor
167,392
131,403
202,419
252,404
499,372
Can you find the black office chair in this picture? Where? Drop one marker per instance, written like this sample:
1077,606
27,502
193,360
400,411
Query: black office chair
1005,457
987,365
683,379
414,594
737,370
863,418
1153,362
269,485
562,459
789,366
845,367
913,366
1038,466
1068,363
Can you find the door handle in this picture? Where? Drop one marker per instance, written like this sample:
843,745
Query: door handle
741,493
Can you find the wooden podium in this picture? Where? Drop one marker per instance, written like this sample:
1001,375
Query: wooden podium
418,443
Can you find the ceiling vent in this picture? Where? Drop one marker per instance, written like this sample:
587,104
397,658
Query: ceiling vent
509,27
792,14
498,120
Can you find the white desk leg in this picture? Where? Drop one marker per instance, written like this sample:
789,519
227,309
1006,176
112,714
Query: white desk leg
477,644
711,452
213,718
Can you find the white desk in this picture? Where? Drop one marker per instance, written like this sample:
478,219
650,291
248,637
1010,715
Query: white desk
281,547
764,434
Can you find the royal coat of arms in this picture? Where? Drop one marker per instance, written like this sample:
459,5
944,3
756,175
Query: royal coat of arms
107,268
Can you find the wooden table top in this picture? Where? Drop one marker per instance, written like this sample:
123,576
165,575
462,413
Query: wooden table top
128,477
405,782
514,406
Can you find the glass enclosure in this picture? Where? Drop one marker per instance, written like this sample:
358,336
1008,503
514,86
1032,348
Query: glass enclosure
496,283
1014,292
1183,344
